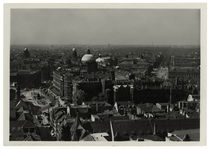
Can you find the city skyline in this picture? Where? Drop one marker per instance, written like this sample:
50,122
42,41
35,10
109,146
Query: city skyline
106,26
130,73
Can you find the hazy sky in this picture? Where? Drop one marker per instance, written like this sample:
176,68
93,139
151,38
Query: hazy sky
105,26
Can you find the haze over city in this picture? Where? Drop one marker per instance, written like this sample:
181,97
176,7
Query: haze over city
105,26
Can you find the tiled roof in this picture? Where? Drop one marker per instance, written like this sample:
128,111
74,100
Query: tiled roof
25,116
145,125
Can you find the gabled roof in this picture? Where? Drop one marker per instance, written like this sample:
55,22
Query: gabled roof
24,117
194,134
88,138
22,110
21,117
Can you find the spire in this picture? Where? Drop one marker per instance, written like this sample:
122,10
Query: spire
88,51
74,53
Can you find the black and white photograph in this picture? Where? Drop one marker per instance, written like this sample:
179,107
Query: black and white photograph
108,74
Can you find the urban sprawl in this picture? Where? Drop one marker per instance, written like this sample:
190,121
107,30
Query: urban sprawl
104,93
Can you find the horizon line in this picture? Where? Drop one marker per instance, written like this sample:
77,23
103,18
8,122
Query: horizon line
108,44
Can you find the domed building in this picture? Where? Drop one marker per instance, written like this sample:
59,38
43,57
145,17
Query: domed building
103,61
89,61
74,53
99,59
87,58
26,53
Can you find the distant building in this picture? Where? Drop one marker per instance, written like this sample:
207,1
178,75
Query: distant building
88,60
123,92
45,73
163,106
93,89
143,128
29,79
156,91
191,74
26,53
103,61
184,61
189,105
161,73
148,110
62,83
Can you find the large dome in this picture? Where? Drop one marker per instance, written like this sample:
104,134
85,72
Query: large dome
87,58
